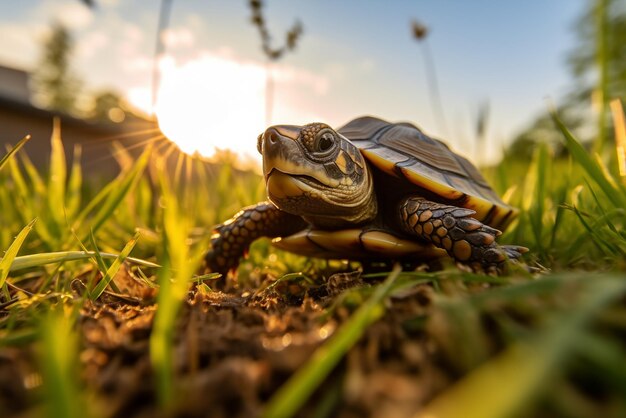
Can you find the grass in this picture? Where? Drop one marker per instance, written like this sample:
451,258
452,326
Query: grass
570,222
290,398
573,216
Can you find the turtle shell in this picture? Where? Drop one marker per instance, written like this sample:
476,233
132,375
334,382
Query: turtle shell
402,150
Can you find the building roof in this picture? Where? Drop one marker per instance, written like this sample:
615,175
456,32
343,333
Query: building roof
14,84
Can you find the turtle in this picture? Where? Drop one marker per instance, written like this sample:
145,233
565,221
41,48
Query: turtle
370,190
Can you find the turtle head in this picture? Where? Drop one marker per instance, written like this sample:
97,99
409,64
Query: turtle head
315,172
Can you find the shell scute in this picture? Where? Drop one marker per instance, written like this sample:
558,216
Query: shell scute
403,150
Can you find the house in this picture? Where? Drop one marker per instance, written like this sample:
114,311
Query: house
19,117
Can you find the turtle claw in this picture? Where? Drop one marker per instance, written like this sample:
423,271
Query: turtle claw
514,252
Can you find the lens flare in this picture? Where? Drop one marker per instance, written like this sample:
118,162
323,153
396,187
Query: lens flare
211,104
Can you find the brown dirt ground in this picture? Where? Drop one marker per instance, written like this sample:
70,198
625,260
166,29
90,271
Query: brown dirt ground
235,347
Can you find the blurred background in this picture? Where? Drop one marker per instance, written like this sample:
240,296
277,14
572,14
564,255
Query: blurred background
480,75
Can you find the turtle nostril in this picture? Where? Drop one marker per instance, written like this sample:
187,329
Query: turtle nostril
272,135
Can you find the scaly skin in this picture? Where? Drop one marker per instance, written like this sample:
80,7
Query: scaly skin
232,238
453,229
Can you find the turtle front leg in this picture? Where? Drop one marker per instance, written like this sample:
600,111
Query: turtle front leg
232,238
453,229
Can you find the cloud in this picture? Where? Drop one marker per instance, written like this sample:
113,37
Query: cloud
21,43
178,37
91,43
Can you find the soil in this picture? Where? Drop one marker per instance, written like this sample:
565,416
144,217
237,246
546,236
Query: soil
235,347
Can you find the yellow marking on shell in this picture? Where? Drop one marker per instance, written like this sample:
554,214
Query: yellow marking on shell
501,220
380,162
341,162
434,181
433,185
462,250
482,208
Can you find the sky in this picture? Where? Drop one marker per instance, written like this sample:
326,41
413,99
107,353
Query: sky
354,58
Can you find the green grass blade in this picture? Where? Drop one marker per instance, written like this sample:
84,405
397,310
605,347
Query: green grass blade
601,91
57,176
597,239
18,338
517,375
593,169
75,182
9,257
559,199
100,262
36,200
117,194
94,202
161,351
13,150
39,260
115,267
58,363
24,195
174,280
295,392
539,169
97,255
39,186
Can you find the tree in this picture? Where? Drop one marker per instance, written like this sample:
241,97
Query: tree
598,63
55,84
108,106
599,69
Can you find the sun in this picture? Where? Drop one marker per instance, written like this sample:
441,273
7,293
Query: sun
212,103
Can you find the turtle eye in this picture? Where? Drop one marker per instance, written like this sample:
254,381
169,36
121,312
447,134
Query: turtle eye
325,142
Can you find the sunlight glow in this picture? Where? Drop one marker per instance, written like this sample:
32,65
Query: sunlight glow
211,104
